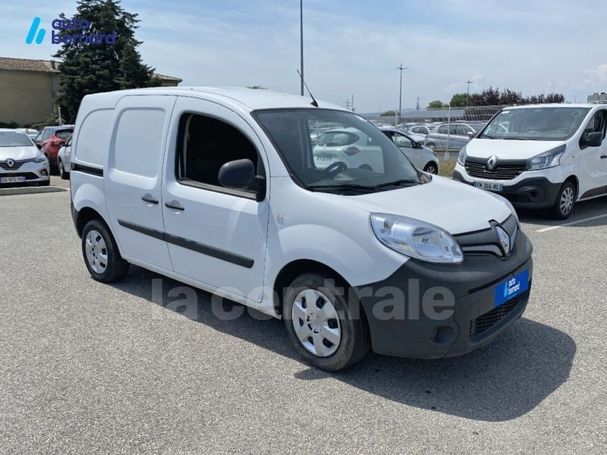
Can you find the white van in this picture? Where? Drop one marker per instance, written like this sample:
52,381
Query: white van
218,188
540,157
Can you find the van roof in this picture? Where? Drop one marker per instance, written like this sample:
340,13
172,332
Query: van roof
535,106
247,98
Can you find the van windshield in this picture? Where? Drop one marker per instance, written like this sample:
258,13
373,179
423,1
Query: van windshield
337,151
536,124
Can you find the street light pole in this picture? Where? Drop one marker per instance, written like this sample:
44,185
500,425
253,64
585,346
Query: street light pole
301,49
400,95
468,93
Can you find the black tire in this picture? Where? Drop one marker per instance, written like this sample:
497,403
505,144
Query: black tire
116,267
431,168
565,201
62,172
354,341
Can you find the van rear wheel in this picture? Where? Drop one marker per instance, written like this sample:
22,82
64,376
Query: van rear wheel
327,330
101,255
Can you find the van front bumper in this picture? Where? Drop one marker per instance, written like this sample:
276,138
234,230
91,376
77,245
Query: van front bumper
397,312
531,193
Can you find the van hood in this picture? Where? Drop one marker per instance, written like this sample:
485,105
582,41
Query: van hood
19,153
508,149
453,206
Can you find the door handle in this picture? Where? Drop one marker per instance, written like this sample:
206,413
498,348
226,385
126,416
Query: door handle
603,157
175,205
149,199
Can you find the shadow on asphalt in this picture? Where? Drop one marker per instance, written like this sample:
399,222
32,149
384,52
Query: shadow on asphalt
581,211
502,381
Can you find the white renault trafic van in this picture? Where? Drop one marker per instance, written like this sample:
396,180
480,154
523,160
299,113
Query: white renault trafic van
545,156
218,188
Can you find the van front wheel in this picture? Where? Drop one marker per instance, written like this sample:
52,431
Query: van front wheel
326,329
101,254
564,201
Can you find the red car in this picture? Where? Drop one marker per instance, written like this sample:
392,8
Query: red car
50,147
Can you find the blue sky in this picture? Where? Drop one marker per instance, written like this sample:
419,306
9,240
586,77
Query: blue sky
353,47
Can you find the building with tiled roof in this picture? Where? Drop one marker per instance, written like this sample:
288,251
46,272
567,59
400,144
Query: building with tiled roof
28,88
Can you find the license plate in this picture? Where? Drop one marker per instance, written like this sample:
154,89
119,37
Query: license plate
12,179
489,186
511,288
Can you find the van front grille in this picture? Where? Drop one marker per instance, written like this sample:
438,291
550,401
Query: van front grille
505,170
490,319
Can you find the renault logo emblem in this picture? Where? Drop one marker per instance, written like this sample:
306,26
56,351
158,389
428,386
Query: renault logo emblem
491,162
504,240
10,163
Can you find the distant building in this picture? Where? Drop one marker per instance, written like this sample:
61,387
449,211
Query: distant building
28,88
598,98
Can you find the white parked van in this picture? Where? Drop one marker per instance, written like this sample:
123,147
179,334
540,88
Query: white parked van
545,156
219,188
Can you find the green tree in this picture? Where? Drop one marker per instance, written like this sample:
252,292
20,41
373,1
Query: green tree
436,104
91,68
388,114
459,100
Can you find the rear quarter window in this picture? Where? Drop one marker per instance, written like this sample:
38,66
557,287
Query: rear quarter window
93,141
138,144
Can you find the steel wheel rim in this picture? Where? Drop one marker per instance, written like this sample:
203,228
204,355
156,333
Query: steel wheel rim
316,323
566,202
96,251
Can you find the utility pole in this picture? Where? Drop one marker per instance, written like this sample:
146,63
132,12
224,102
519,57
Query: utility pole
468,92
301,50
400,96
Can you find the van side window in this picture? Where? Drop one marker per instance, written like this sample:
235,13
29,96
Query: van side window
205,144
597,123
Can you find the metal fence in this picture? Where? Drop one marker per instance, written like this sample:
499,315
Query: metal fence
475,116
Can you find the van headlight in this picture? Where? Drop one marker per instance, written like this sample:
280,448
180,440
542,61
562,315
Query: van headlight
551,158
40,158
461,157
416,239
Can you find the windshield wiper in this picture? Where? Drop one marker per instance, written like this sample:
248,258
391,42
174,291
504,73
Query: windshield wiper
401,182
344,187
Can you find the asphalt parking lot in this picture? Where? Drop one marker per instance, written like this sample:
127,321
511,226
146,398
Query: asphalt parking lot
92,368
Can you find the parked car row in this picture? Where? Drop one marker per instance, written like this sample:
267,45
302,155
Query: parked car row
357,150
21,162
29,157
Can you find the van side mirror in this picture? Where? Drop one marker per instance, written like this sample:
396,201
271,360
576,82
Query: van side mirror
594,139
417,145
236,174
471,134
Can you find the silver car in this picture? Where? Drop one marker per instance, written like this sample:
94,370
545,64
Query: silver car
64,160
422,157
21,163
451,137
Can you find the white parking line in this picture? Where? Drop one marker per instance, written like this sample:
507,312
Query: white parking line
572,223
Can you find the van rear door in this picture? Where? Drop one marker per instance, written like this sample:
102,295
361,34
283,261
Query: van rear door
134,178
